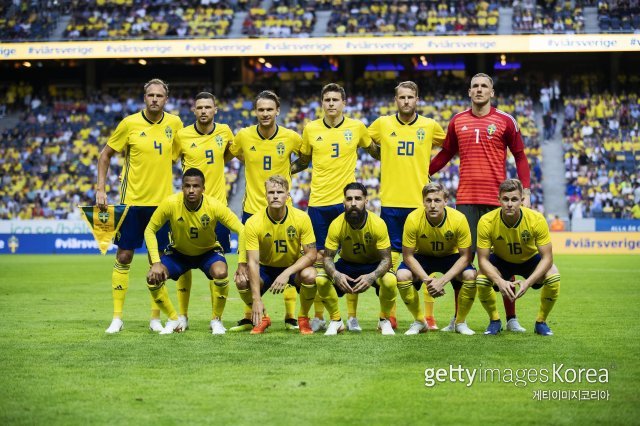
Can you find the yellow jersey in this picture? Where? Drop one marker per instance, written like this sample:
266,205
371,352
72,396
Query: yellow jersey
515,244
147,147
442,239
358,245
192,231
206,153
405,150
279,242
264,158
333,152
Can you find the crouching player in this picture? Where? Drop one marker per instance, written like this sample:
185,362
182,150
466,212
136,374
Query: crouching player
275,238
521,246
365,259
192,217
436,238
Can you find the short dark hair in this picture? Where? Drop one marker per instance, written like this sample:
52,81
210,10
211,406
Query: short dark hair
193,172
510,185
355,186
267,94
333,87
157,81
206,95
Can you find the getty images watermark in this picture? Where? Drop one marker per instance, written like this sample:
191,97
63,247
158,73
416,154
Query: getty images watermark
523,377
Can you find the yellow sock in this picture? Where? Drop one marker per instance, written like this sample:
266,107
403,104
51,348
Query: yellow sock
247,298
307,296
428,302
183,286
219,289
487,296
318,306
388,284
119,287
396,258
548,296
161,297
411,298
290,296
394,310
328,295
465,300
352,304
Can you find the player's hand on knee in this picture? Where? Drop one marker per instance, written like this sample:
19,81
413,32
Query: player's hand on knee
157,274
524,286
342,281
436,287
363,282
506,288
242,275
279,284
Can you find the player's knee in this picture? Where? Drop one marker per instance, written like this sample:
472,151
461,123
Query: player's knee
469,275
388,281
553,271
218,270
482,281
154,285
242,283
124,257
404,275
308,276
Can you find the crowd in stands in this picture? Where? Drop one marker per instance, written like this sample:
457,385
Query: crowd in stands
29,20
413,17
281,20
548,16
601,137
619,15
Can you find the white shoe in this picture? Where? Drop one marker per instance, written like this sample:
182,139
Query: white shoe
172,326
318,324
155,325
184,322
335,327
463,328
115,327
417,327
514,325
353,325
451,326
384,325
217,327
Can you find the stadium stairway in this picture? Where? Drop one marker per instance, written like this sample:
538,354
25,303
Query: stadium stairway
591,20
506,20
236,25
553,179
61,26
322,19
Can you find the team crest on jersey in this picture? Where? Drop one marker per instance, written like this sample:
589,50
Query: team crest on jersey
525,235
280,149
291,232
219,141
168,132
448,235
491,129
205,219
368,239
348,135
420,134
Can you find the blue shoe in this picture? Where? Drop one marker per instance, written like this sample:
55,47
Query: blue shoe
543,329
494,327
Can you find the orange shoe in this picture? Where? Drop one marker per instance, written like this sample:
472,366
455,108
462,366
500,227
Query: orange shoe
262,327
431,323
394,322
305,327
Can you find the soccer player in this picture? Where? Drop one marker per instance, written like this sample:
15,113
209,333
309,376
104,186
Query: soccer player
266,150
205,146
331,143
365,259
193,218
436,238
405,140
146,141
515,240
481,136
275,238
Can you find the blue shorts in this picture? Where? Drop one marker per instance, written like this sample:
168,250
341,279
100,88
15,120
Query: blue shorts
268,274
508,269
245,216
223,235
432,264
131,233
395,217
321,218
178,263
354,270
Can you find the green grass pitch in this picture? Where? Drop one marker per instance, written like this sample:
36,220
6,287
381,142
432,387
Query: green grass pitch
59,367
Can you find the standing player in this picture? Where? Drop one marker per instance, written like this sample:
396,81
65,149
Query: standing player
146,140
205,146
266,150
436,238
193,218
405,140
365,259
521,246
331,143
275,238
481,136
